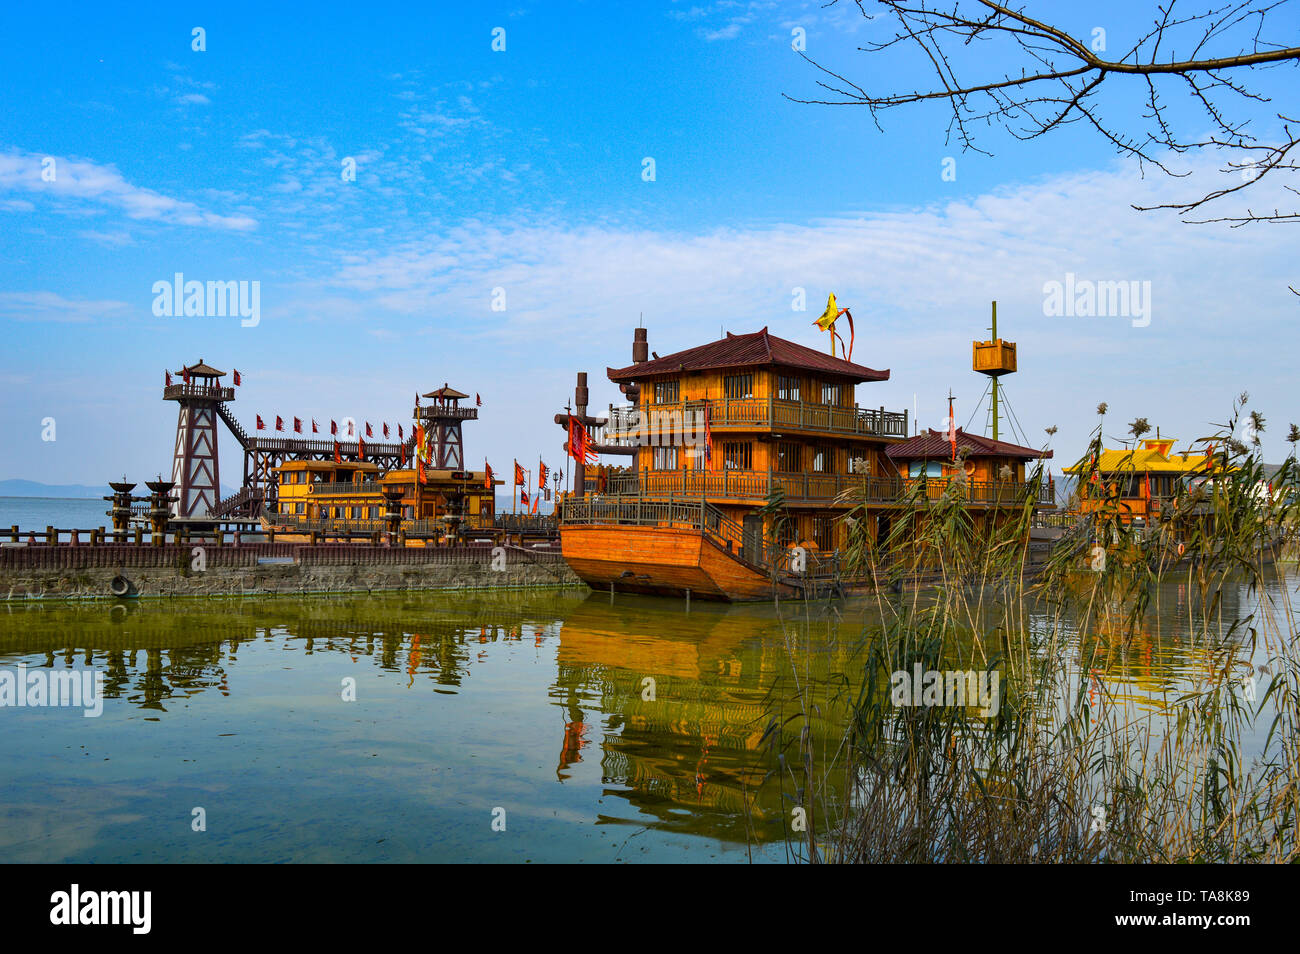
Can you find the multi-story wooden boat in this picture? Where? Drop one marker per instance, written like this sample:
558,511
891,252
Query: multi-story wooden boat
747,454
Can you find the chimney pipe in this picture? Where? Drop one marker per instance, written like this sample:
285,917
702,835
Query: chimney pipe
640,346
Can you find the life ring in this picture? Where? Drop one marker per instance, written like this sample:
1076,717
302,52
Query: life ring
1182,548
119,586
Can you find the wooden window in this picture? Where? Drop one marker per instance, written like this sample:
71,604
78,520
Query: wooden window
665,458
667,392
832,393
787,531
738,455
823,533
789,460
298,508
787,388
823,461
736,387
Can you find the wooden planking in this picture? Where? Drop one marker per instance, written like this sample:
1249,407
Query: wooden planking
662,560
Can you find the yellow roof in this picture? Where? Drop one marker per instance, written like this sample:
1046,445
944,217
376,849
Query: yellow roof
1153,458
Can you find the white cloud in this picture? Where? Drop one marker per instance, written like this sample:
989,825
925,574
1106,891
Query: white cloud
80,185
919,282
49,306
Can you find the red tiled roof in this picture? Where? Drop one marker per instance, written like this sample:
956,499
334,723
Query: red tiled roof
757,349
934,444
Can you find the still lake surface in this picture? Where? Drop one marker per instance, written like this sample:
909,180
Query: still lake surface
531,702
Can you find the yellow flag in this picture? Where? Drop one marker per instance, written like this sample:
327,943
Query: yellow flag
827,320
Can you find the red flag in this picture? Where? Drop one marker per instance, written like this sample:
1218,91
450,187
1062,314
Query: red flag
523,497
279,423
580,443
334,428
185,375
1146,486
368,431
238,379
536,500
361,449
519,475
401,452
541,475
487,474
478,400
338,457
417,400
260,425
385,429
297,425
169,378
400,436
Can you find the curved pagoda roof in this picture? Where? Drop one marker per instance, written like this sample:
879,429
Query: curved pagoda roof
446,392
759,349
200,368
1153,457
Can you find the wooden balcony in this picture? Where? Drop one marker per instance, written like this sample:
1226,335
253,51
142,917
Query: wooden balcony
813,488
683,422
344,487
447,412
175,392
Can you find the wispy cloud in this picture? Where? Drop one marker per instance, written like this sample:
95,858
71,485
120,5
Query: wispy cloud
76,185
49,306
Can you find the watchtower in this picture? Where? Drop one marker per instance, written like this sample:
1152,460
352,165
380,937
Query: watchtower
195,470
994,358
442,420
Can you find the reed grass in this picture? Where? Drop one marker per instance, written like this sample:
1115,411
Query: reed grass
1068,770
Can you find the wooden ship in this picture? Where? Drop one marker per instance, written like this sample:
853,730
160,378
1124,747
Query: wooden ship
742,452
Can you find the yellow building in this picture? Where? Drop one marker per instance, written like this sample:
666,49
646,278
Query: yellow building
1144,479
348,497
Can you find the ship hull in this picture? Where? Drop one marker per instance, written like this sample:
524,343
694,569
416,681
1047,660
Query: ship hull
663,561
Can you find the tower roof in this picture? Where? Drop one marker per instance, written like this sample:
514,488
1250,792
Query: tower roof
205,370
756,349
446,392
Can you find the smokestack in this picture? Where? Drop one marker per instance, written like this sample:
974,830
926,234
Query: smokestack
640,346
580,393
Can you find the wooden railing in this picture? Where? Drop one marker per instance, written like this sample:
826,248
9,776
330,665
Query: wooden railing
683,422
758,485
171,392
344,487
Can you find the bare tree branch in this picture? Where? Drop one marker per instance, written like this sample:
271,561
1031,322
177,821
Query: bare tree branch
1061,76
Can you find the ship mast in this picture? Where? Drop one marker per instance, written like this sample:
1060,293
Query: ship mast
994,358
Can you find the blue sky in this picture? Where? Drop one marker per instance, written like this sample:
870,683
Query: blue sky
522,170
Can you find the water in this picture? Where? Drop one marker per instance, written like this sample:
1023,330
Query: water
533,704
37,513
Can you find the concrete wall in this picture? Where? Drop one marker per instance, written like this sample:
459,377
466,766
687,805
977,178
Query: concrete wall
90,573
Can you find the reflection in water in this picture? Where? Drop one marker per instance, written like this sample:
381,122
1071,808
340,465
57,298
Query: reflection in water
580,712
